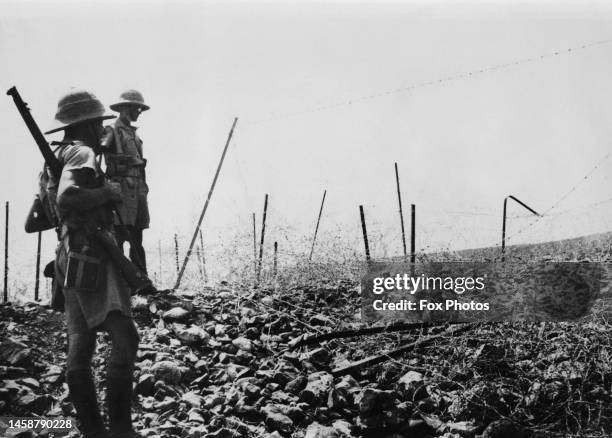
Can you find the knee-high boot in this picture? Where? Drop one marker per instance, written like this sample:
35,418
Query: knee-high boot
83,396
119,400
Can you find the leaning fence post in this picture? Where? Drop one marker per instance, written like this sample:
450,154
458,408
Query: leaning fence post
210,192
314,238
365,234
401,212
6,230
36,285
263,233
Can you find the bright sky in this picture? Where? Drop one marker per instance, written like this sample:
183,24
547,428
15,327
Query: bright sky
533,130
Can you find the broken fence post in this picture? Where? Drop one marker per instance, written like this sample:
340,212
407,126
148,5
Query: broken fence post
378,358
503,245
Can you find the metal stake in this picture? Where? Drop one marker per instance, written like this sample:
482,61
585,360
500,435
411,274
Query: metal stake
263,233
210,192
274,271
401,212
254,247
202,258
6,230
314,238
503,246
365,234
36,285
412,233
176,252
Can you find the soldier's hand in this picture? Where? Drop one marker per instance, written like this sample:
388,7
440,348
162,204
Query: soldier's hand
113,189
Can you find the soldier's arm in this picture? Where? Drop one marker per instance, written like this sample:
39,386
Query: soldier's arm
74,194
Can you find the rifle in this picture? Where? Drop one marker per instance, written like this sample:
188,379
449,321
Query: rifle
137,280
54,165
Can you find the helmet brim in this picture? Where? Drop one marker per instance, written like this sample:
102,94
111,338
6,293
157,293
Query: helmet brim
91,119
117,106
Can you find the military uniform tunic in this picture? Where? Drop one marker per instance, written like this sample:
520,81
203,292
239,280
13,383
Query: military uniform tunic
126,165
93,290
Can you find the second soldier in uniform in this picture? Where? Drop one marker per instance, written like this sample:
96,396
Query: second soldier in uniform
125,164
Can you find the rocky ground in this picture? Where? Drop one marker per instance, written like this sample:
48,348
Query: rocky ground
219,363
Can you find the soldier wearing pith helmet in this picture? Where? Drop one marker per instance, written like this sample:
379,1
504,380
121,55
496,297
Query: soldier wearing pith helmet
125,163
96,296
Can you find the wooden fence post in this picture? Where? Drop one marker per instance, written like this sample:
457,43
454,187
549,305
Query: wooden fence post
6,230
275,268
263,233
36,285
503,245
365,234
254,247
176,252
412,233
210,192
202,259
314,238
401,212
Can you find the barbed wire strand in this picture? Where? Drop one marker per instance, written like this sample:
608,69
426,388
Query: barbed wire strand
561,199
453,78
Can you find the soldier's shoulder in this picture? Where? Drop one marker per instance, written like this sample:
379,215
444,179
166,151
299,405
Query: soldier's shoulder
78,155
76,150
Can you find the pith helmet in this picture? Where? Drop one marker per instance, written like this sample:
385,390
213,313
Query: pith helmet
77,106
130,97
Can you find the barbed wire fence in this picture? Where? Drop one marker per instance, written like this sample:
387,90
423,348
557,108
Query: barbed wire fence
228,255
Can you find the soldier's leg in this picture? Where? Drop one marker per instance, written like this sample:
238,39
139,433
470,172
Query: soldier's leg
119,373
80,382
137,252
81,346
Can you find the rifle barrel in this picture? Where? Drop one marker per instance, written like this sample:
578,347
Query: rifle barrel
45,149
